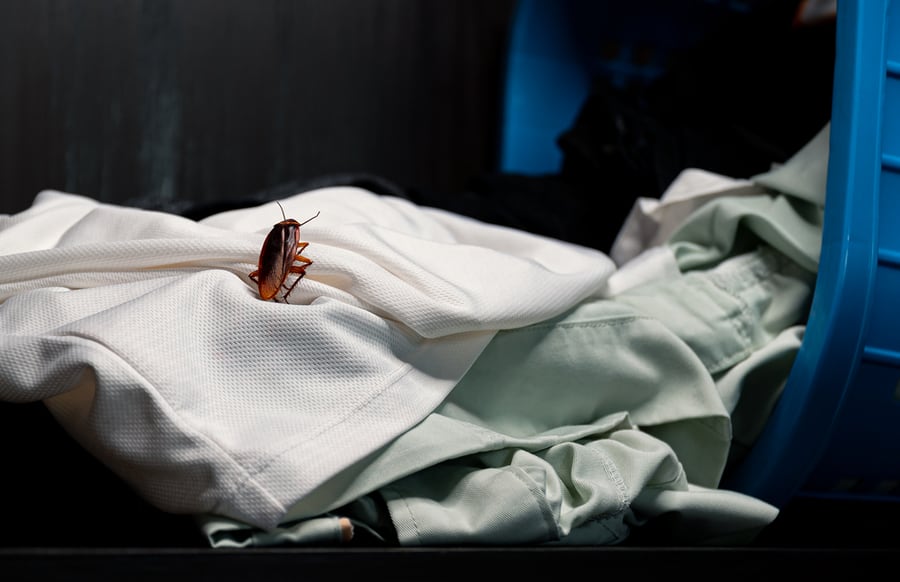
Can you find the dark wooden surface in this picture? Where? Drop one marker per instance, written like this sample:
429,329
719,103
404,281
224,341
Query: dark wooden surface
153,102
713,564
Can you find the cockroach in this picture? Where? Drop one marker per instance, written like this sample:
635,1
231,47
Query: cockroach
280,251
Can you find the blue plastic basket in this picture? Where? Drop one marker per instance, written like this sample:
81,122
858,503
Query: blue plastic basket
835,431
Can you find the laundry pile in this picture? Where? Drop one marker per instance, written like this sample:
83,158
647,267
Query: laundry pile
434,379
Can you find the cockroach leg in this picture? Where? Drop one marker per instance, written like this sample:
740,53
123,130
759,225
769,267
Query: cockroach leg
301,272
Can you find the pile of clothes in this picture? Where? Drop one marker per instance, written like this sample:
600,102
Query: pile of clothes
435,379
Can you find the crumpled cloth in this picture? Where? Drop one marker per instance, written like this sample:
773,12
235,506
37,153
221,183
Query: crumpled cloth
619,415
616,418
148,342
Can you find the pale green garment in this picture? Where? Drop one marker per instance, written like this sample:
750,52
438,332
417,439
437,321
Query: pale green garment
568,431
579,429
787,215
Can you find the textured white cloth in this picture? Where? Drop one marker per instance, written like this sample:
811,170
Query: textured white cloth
148,342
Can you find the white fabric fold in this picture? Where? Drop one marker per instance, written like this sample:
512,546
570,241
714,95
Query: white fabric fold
145,337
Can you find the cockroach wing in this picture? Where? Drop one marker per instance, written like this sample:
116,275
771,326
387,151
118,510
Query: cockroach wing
276,257
290,239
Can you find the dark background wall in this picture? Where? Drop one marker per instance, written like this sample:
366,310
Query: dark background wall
164,102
